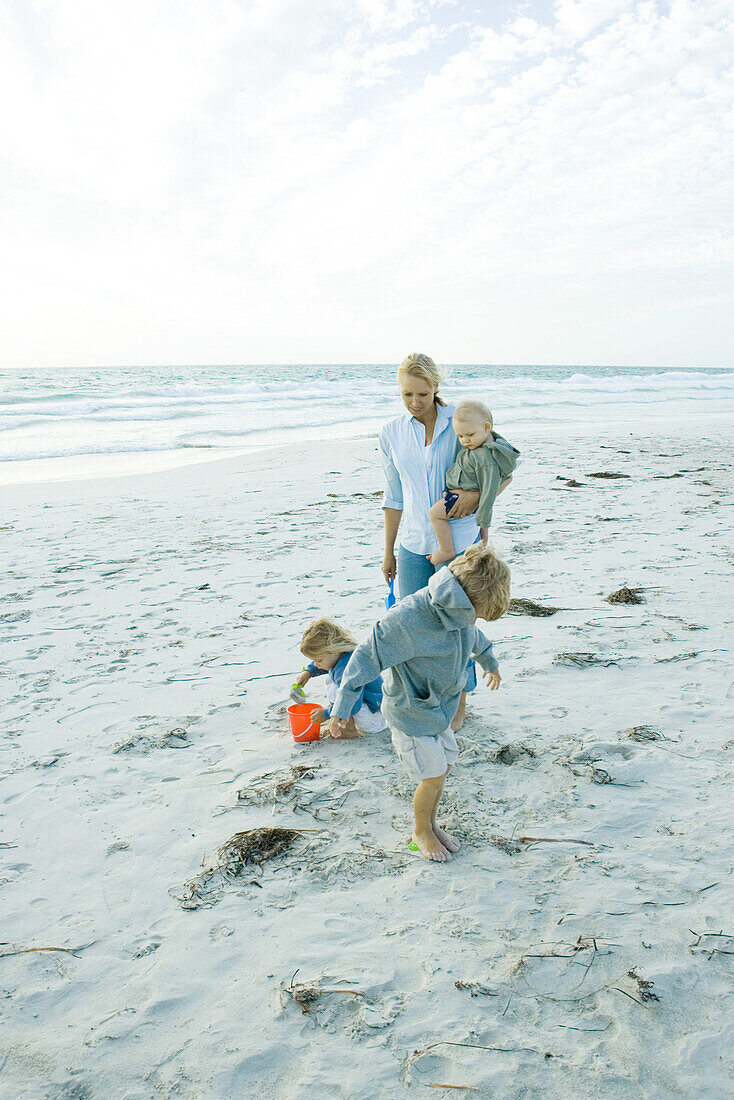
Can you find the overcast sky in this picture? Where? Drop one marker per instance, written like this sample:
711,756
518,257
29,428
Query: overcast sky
244,181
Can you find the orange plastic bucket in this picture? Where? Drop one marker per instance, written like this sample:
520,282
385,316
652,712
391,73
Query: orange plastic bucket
299,720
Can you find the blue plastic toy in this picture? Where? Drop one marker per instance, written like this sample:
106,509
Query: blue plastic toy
390,597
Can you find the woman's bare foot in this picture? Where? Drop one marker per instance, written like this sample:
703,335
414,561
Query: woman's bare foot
458,719
450,843
431,847
439,557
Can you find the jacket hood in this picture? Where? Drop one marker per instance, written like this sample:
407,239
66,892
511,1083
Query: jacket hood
505,454
449,601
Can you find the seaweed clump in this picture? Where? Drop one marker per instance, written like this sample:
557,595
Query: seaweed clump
231,859
625,595
530,607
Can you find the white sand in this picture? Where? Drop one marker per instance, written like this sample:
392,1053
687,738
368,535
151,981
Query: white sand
137,704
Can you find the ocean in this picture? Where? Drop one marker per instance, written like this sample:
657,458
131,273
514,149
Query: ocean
89,422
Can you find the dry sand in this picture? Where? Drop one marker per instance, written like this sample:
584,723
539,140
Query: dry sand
149,636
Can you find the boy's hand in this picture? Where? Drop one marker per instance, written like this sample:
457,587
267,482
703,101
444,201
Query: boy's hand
319,715
493,680
303,677
337,727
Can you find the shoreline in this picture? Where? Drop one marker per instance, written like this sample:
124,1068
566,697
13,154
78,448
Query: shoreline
74,469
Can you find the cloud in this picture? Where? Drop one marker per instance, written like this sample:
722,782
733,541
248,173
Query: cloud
258,178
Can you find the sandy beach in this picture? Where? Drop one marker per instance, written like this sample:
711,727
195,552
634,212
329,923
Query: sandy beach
580,944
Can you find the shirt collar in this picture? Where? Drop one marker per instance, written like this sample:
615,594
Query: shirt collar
442,419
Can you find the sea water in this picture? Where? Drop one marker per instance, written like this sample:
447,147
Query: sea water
66,422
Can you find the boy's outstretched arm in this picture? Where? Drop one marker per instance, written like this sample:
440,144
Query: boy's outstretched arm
483,653
389,644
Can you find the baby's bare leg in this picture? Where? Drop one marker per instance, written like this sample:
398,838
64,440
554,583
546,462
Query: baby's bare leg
442,531
425,801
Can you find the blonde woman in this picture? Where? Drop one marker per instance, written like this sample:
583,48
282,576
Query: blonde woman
418,448
329,647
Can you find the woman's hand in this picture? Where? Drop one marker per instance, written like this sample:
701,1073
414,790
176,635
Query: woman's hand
493,680
389,567
465,505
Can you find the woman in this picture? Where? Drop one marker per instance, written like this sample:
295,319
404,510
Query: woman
417,450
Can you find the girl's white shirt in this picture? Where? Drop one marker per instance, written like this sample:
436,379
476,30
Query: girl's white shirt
415,478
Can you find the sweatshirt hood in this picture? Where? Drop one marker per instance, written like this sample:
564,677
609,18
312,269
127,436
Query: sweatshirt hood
449,601
504,453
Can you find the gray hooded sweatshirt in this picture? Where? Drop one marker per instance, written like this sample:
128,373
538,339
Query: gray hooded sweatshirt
425,643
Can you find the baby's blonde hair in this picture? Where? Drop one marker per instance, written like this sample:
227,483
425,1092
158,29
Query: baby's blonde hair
324,636
486,580
422,366
475,408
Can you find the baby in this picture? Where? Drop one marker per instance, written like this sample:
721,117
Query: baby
425,642
329,647
484,463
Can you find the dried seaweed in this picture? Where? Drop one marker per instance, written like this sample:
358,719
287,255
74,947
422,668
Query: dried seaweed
476,989
507,844
243,850
582,660
307,997
625,595
643,734
276,785
529,607
610,477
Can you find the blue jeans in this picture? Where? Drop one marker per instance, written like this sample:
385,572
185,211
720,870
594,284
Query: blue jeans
414,573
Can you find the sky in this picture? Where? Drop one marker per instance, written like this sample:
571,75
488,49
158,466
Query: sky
322,181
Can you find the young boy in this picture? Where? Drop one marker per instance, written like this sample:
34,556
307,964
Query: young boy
485,462
425,642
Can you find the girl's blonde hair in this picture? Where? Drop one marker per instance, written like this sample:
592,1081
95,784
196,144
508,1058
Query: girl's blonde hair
422,366
486,580
476,408
324,636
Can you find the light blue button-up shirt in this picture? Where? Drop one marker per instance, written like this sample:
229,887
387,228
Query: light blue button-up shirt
415,477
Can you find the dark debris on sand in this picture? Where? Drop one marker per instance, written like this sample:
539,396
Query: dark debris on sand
231,859
254,846
529,607
643,733
582,660
626,595
610,477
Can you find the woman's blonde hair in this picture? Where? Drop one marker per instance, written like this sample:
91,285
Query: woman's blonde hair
422,366
476,408
486,580
324,636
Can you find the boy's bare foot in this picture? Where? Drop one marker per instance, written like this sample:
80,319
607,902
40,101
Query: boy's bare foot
431,847
458,719
439,557
450,843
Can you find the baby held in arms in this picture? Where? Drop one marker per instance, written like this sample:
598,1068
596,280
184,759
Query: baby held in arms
329,647
484,463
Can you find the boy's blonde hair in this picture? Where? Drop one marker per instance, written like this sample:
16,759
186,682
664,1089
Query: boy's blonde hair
475,408
486,580
422,366
324,636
